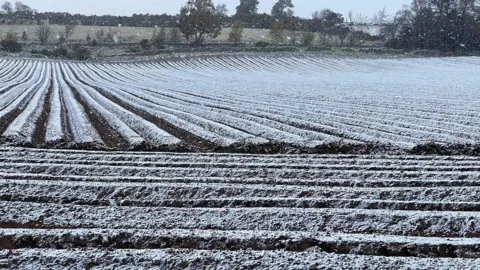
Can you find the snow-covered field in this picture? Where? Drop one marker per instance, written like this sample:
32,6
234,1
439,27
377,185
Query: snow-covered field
86,209
225,102
89,209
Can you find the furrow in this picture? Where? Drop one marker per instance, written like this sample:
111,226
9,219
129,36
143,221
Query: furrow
379,245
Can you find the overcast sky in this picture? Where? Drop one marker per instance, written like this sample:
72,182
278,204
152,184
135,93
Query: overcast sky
303,8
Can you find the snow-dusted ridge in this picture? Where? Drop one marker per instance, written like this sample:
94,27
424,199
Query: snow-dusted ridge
338,105
197,164
330,209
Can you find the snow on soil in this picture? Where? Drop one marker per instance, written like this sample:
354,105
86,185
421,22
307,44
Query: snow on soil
223,260
105,210
205,102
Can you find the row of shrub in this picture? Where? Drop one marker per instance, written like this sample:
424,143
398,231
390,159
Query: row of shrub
10,43
76,52
11,46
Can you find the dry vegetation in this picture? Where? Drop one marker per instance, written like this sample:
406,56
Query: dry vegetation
125,34
136,34
211,211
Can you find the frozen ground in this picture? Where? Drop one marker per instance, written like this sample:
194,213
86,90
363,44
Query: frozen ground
104,210
86,209
248,104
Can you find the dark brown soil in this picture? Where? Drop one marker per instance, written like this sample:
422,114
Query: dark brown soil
65,123
8,119
446,150
259,203
41,125
331,148
189,138
109,136
127,240
192,143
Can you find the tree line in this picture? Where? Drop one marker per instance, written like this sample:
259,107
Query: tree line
447,25
20,13
246,12
198,20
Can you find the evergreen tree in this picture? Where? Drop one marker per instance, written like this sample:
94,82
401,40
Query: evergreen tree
199,19
246,10
282,9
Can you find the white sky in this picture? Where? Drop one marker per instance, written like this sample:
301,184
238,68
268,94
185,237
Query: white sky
303,8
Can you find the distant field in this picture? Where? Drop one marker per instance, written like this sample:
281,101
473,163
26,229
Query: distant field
136,34
125,34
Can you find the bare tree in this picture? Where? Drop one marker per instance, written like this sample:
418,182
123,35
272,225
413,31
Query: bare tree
277,32
308,37
222,12
175,35
392,27
236,32
404,16
43,33
22,9
419,4
350,17
11,36
222,9
360,19
160,39
380,18
100,35
69,29
8,8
